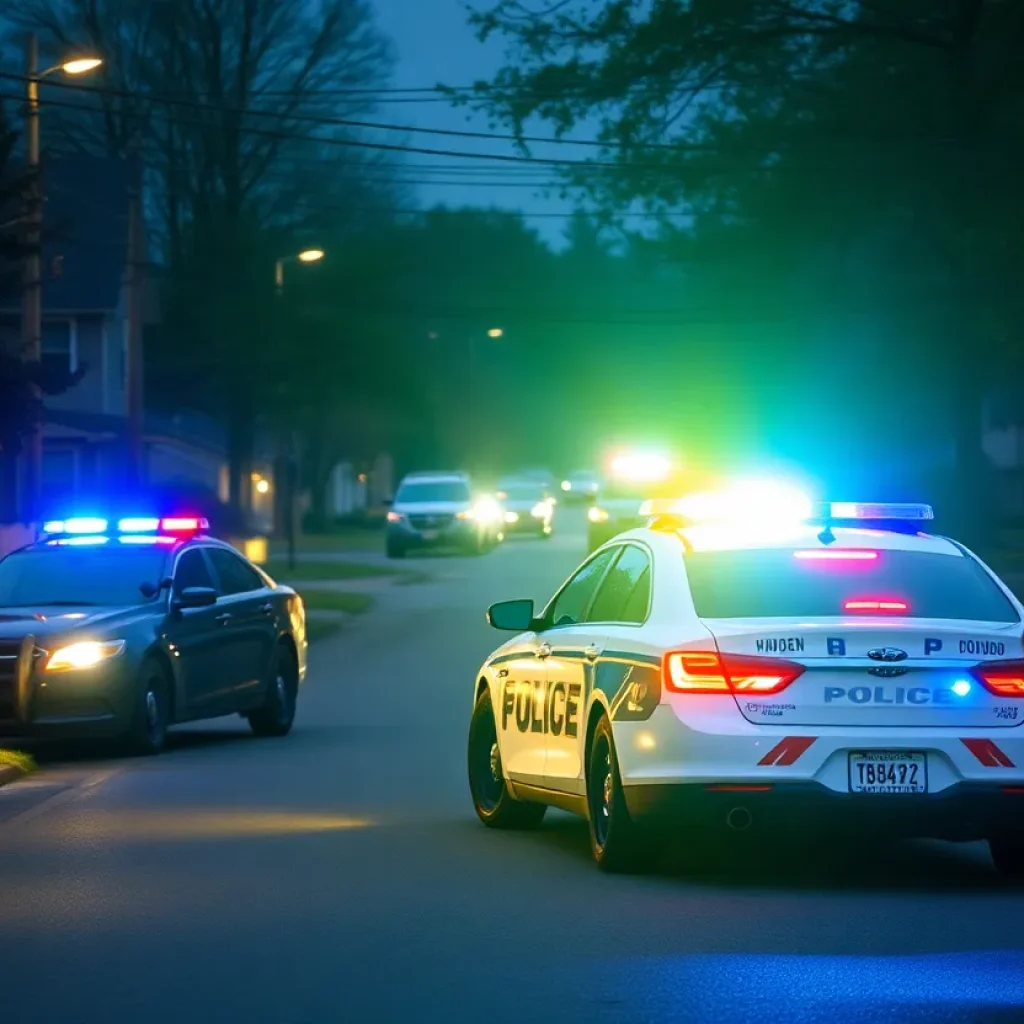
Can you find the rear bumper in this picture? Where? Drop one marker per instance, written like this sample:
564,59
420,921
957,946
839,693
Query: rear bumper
964,812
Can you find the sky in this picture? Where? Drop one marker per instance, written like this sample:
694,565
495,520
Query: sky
435,44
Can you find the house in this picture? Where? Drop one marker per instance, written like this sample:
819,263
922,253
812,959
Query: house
84,300
84,328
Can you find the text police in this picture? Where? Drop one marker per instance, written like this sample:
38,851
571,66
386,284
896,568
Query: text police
555,713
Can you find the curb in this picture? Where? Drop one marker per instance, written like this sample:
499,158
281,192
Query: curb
9,773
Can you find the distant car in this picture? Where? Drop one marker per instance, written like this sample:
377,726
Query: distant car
543,476
616,509
121,629
441,510
840,673
581,485
528,507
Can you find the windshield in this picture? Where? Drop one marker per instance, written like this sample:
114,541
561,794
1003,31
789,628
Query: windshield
79,576
521,491
432,490
778,584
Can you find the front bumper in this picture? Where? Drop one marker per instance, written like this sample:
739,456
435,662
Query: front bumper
93,703
526,522
457,533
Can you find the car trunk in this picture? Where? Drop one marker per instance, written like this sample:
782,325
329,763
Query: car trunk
878,672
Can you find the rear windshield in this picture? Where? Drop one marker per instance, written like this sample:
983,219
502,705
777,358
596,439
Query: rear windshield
433,490
71,576
777,584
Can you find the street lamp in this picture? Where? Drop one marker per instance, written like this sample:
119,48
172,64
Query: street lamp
304,256
32,305
495,332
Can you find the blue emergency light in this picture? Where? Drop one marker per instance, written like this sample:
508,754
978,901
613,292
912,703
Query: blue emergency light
874,511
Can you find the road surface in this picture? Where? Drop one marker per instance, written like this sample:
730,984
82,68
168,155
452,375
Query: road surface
340,875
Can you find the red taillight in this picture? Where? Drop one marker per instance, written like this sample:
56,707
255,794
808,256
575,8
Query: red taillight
711,672
1003,678
394,517
873,605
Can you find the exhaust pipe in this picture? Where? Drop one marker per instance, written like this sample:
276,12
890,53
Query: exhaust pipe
739,819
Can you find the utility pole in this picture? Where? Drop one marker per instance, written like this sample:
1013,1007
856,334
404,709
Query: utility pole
31,301
136,297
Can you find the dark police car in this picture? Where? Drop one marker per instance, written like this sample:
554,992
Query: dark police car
120,629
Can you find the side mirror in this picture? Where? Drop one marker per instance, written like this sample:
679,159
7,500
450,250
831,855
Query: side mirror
196,597
515,616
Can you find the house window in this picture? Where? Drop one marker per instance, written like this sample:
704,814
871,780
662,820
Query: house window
58,346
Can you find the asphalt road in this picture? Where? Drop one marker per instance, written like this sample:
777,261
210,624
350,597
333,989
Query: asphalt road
340,875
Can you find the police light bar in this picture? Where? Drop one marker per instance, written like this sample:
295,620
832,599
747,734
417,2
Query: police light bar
87,526
877,511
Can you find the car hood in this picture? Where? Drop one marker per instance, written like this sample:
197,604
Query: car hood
52,621
430,508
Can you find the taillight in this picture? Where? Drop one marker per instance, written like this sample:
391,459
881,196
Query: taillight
711,672
394,517
1003,678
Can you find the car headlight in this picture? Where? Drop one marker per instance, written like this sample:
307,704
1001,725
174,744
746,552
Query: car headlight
84,654
540,510
511,517
597,515
566,485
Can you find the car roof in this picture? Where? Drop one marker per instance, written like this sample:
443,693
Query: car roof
709,538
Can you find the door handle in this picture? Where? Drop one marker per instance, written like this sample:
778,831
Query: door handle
542,651
224,617
267,609
592,653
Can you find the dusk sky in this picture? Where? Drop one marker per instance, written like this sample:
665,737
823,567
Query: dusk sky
435,44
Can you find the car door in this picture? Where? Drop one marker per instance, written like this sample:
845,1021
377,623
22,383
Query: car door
195,635
249,628
570,646
611,657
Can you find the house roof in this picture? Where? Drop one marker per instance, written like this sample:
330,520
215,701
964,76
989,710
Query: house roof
85,217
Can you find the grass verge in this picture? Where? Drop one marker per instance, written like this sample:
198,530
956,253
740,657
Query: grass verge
16,759
350,602
353,539
321,629
313,570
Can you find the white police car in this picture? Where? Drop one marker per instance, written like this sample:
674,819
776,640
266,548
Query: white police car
805,671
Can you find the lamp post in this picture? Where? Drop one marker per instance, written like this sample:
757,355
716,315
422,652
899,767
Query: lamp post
291,459
32,305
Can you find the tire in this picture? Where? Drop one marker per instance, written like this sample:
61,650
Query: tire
147,734
394,548
617,843
277,713
494,804
1008,854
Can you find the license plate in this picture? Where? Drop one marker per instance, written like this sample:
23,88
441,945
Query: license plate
430,534
888,771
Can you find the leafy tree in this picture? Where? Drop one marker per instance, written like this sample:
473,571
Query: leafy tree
847,171
233,105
